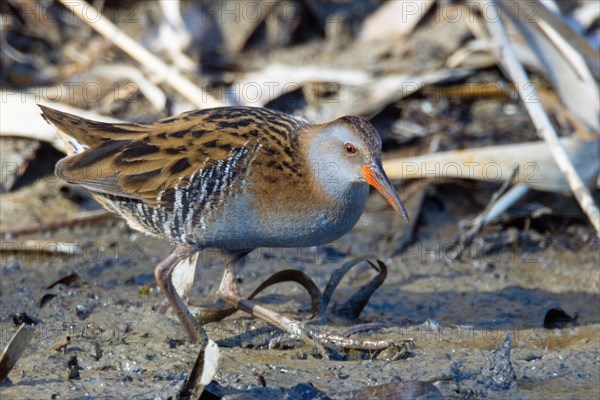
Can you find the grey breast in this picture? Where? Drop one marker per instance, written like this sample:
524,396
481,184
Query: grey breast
243,227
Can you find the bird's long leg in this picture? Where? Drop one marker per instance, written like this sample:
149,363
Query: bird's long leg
229,293
163,272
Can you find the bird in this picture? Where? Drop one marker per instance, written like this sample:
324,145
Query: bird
228,178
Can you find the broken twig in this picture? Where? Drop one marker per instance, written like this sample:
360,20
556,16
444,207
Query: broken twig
515,71
86,217
170,75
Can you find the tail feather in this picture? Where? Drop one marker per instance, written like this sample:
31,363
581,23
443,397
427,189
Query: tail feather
79,133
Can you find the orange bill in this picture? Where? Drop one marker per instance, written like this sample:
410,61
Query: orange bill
376,177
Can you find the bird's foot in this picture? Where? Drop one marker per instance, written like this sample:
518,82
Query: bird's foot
326,342
315,334
298,334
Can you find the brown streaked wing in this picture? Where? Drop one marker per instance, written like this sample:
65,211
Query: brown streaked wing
174,149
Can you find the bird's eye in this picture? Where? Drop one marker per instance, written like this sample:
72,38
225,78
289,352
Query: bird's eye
350,149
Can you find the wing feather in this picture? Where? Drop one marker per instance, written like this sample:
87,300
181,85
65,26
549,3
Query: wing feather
147,162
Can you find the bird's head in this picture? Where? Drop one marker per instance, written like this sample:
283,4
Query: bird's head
347,151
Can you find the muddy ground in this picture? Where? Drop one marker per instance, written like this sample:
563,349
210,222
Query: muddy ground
452,315
450,318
